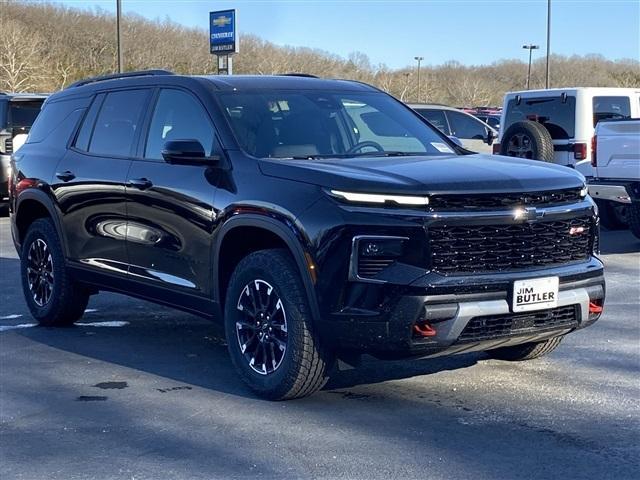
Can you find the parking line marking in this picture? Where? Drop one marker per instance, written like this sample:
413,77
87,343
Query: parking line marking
4,328
115,323
11,317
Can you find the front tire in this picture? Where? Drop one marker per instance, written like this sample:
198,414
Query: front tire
53,297
270,334
526,351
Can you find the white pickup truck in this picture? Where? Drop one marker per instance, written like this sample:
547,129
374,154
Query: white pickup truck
616,170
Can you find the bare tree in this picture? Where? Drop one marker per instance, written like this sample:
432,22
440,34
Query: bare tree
21,62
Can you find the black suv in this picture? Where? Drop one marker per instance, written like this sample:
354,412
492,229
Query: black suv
17,113
319,219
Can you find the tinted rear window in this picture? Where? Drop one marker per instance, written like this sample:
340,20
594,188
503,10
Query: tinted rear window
610,107
557,116
117,123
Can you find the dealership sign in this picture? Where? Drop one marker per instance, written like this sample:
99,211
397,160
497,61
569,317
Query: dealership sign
222,32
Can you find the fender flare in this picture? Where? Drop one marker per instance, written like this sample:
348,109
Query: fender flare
286,233
45,200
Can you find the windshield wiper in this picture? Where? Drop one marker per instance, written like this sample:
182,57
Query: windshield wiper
391,153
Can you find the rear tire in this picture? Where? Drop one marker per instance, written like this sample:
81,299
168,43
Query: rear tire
529,140
526,351
275,349
53,297
634,218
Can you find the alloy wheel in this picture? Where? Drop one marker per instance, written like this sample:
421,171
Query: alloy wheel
40,272
520,145
262,327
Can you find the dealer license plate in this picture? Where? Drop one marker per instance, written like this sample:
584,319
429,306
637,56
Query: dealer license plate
535,294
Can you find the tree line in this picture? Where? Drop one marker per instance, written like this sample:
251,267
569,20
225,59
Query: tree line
45,47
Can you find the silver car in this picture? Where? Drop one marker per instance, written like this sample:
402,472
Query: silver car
474,134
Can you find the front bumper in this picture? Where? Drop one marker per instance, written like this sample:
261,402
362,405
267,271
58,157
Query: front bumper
390,331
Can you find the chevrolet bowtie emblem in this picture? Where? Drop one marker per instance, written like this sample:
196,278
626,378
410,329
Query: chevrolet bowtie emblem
527,214
221,21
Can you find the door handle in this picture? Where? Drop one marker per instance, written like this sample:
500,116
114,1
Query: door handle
65,176
140,183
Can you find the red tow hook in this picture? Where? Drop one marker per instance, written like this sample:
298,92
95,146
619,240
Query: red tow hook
424,330
594,308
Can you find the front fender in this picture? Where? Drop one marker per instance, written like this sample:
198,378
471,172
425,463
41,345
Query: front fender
285,229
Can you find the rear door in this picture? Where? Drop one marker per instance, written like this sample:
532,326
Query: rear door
471,131
170,207
557,114
90,180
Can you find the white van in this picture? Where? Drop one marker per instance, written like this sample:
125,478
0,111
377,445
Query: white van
569,115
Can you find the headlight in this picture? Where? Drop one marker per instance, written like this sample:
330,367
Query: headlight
380,198
584,191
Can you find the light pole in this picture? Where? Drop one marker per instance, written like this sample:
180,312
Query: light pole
118,41
418,59
548,41
530,47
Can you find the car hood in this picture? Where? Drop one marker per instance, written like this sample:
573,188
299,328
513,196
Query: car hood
427,174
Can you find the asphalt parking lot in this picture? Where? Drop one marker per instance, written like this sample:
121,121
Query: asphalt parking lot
139,391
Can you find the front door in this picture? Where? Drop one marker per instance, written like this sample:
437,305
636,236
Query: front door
90,181
170,207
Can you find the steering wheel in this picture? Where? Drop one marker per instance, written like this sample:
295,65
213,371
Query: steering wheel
368,143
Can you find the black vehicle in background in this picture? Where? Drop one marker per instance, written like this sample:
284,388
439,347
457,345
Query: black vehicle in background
318,219
18,111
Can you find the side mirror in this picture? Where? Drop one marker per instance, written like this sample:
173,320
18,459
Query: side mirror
189,152
490,138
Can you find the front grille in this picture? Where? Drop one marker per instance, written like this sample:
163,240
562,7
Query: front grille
8,146
504,200
370,267
496,326
510,247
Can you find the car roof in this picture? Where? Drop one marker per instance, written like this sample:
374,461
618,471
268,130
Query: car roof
591,90
218,82
286,82
432,106
23,96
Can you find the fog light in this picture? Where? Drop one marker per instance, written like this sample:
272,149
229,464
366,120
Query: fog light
381,247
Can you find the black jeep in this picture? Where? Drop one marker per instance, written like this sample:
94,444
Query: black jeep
319,219
17,113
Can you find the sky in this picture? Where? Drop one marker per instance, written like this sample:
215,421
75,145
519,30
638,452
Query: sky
394,32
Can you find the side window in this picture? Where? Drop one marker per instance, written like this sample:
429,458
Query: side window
84,135
610,107
178,116
53,116
117,123
466,127
437,119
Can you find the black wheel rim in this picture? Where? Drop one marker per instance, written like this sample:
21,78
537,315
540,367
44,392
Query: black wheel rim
40,272
262,327
520,145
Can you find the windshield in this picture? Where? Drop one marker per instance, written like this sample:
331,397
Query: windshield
23,114
319,124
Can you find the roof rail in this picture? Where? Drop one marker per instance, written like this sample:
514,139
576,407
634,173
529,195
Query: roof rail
142,73
306,75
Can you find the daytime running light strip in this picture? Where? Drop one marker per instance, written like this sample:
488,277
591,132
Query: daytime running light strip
380,198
